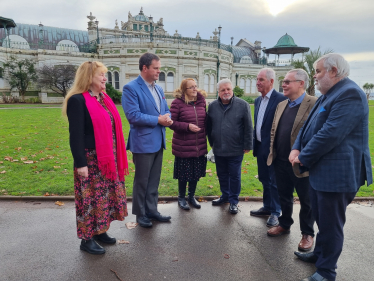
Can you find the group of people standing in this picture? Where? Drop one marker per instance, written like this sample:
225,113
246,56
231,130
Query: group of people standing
317,146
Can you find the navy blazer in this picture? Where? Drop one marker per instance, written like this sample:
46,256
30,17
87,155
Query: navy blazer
146,135
334,140
267,122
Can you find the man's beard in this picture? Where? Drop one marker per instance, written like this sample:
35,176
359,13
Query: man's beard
324,84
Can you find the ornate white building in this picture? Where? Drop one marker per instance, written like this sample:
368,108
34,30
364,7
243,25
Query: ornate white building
120,47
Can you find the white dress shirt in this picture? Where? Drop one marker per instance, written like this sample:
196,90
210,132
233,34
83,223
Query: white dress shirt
152,89
261,113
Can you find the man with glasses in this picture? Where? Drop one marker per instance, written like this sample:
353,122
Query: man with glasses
265,106
230,133
288,120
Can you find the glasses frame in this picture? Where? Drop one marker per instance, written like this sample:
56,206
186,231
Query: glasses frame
191,88
287,82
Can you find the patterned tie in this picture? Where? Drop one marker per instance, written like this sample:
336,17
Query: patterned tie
155,96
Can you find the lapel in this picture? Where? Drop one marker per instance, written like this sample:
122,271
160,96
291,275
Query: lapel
269,106
257,105
159,96
146,91
312,114
301,113
278,113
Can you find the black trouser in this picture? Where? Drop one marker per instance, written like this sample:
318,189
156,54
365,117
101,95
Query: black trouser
287,182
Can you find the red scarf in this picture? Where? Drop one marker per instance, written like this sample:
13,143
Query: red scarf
103,137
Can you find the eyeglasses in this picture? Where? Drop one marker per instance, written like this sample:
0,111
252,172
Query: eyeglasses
287,82
192,87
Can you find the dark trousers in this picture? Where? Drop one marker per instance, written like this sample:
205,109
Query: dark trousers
286,183
146,181
229,176
329,211
266,175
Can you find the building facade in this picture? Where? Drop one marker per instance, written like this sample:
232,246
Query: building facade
120,47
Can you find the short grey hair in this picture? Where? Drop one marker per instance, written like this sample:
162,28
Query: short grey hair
301,74
223,81
334,60
270,73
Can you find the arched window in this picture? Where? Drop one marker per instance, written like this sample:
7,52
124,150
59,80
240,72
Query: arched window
206,83
242,84
253,86
170,82
110,80
247,86
246,59
161,81
16,42
67,45
211,88
116,80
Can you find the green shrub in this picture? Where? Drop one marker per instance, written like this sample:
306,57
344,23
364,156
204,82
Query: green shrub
248,99
239,92
34,100
113,93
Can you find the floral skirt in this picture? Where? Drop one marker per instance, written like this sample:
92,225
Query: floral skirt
98,200
190,169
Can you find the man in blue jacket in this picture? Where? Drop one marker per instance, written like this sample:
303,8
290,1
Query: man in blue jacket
146,110
265,107
333,147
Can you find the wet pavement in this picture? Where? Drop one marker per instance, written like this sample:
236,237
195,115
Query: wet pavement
38,242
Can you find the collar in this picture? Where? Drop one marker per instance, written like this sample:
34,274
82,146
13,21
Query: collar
98,98
148,84
268,95
296,101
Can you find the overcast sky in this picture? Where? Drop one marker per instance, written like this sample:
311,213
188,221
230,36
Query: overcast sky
346,26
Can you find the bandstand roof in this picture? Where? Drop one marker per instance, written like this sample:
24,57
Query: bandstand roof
286,45
7,22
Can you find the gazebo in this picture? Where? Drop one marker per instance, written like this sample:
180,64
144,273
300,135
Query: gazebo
285,45
6,24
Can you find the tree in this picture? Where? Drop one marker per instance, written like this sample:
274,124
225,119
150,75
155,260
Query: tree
368,87
307,64
19,74
58,78
113,93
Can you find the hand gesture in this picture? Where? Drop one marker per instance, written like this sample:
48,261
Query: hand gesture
193,128
83,172
165,120
294,153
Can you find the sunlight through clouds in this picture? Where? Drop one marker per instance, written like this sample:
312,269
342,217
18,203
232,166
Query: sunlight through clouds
277,6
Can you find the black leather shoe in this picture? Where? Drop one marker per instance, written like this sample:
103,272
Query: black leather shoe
90,246
316,277
307,257
260,212
105,238
193,202
143,221
219,201
182,203
233,209
158,217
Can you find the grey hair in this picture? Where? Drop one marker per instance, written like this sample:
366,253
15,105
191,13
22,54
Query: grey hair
301,74
270,73
224,81
334,60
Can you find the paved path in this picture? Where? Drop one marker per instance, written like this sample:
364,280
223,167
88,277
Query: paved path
38,242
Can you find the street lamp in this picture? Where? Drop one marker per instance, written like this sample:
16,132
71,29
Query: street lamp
151,31
97,30
219,47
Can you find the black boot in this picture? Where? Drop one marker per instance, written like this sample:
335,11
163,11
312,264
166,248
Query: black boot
191,194
90,246
182,195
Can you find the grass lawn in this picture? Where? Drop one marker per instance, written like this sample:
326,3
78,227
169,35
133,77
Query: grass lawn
41,135
10,105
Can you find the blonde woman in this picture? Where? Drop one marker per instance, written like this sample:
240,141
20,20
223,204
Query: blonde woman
189,146
100,162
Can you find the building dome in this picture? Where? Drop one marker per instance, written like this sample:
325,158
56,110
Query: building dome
286,41
141,16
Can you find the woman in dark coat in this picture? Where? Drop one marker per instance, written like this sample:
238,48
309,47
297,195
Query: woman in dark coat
99,152
189,146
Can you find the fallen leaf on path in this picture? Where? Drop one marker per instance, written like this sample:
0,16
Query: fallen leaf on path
226,256
246,199
123,242
2,172
28,162
59,203
131,225
116,274
46,194
175,259
201,199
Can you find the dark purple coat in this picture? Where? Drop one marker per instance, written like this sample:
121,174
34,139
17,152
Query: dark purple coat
188,144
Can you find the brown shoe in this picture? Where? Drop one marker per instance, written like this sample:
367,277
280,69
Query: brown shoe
306,243
277,231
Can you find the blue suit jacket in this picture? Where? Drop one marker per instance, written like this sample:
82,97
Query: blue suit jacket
267,122
146,135
334,140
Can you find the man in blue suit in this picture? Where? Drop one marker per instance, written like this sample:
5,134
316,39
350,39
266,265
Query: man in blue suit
265,107
146,110
333,147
